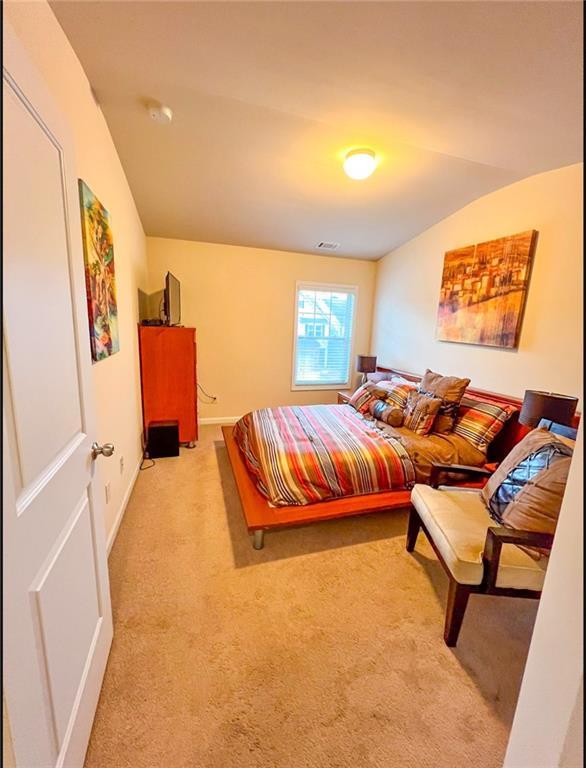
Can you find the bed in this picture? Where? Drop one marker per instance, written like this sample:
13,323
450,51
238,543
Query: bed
385,464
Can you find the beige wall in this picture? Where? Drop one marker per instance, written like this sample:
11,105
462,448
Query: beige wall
549,356
242,303
116,379
545,732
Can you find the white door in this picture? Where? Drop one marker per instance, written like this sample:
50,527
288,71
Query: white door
57,614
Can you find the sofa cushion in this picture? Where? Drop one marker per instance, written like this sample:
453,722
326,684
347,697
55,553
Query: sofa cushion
457,520
450,390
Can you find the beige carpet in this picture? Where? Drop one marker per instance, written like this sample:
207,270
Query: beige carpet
322,650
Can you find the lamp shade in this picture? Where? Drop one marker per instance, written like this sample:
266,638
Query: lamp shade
366,363
547,405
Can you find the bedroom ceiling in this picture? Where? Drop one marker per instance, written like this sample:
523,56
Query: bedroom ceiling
456,98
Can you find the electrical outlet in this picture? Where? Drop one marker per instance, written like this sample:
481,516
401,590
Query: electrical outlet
121,464
107,489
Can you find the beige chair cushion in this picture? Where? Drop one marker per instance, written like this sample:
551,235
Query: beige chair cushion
457,521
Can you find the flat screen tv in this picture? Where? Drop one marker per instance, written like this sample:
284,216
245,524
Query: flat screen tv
172,300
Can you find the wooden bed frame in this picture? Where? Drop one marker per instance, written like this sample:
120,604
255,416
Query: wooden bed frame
260,516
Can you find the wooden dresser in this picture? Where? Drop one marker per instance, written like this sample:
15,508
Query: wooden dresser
168,377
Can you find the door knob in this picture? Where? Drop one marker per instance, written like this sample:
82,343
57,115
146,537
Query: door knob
106,450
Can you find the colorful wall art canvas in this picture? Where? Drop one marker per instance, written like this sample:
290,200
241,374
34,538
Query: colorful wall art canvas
483,291
100,278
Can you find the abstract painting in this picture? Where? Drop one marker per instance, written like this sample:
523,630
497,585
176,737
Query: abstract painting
100,278
483,291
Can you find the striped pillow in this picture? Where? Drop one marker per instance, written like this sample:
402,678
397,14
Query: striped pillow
480,421
396,391
365,395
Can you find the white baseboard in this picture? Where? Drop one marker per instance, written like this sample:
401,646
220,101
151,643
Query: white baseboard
122,510
219,420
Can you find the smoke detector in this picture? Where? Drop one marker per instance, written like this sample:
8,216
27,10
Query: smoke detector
159,113
327,246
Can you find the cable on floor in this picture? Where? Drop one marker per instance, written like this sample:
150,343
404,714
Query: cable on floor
145,458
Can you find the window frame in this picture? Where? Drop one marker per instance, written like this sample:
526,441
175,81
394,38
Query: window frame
309,285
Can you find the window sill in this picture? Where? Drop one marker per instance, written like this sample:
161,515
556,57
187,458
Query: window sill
318,387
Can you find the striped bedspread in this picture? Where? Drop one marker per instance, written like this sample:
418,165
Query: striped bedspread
305,454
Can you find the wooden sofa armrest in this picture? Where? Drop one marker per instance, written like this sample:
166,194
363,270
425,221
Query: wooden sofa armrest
496,537
462,469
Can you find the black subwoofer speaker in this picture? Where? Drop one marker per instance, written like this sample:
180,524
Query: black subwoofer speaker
162,439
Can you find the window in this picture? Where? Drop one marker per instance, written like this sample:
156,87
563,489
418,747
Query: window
313,329
324,327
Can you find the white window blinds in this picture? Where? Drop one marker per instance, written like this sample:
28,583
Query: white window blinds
324,324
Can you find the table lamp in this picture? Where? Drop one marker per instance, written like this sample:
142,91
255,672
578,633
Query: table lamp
547,405
365,364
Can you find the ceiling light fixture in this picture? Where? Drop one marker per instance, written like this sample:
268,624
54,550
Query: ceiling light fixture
360,163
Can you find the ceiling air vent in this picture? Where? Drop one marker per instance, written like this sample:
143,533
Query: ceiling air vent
325,246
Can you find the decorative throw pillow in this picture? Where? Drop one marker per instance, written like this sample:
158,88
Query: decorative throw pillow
421,412
396,391
527,488
449,389
390,414
364,395
480,421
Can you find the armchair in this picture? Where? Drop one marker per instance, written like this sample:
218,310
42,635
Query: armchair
475,473
477,556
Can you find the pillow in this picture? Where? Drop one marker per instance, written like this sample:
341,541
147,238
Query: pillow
374,378
396,391
450,390
420,412
480,421
364,395
388,413
527,488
